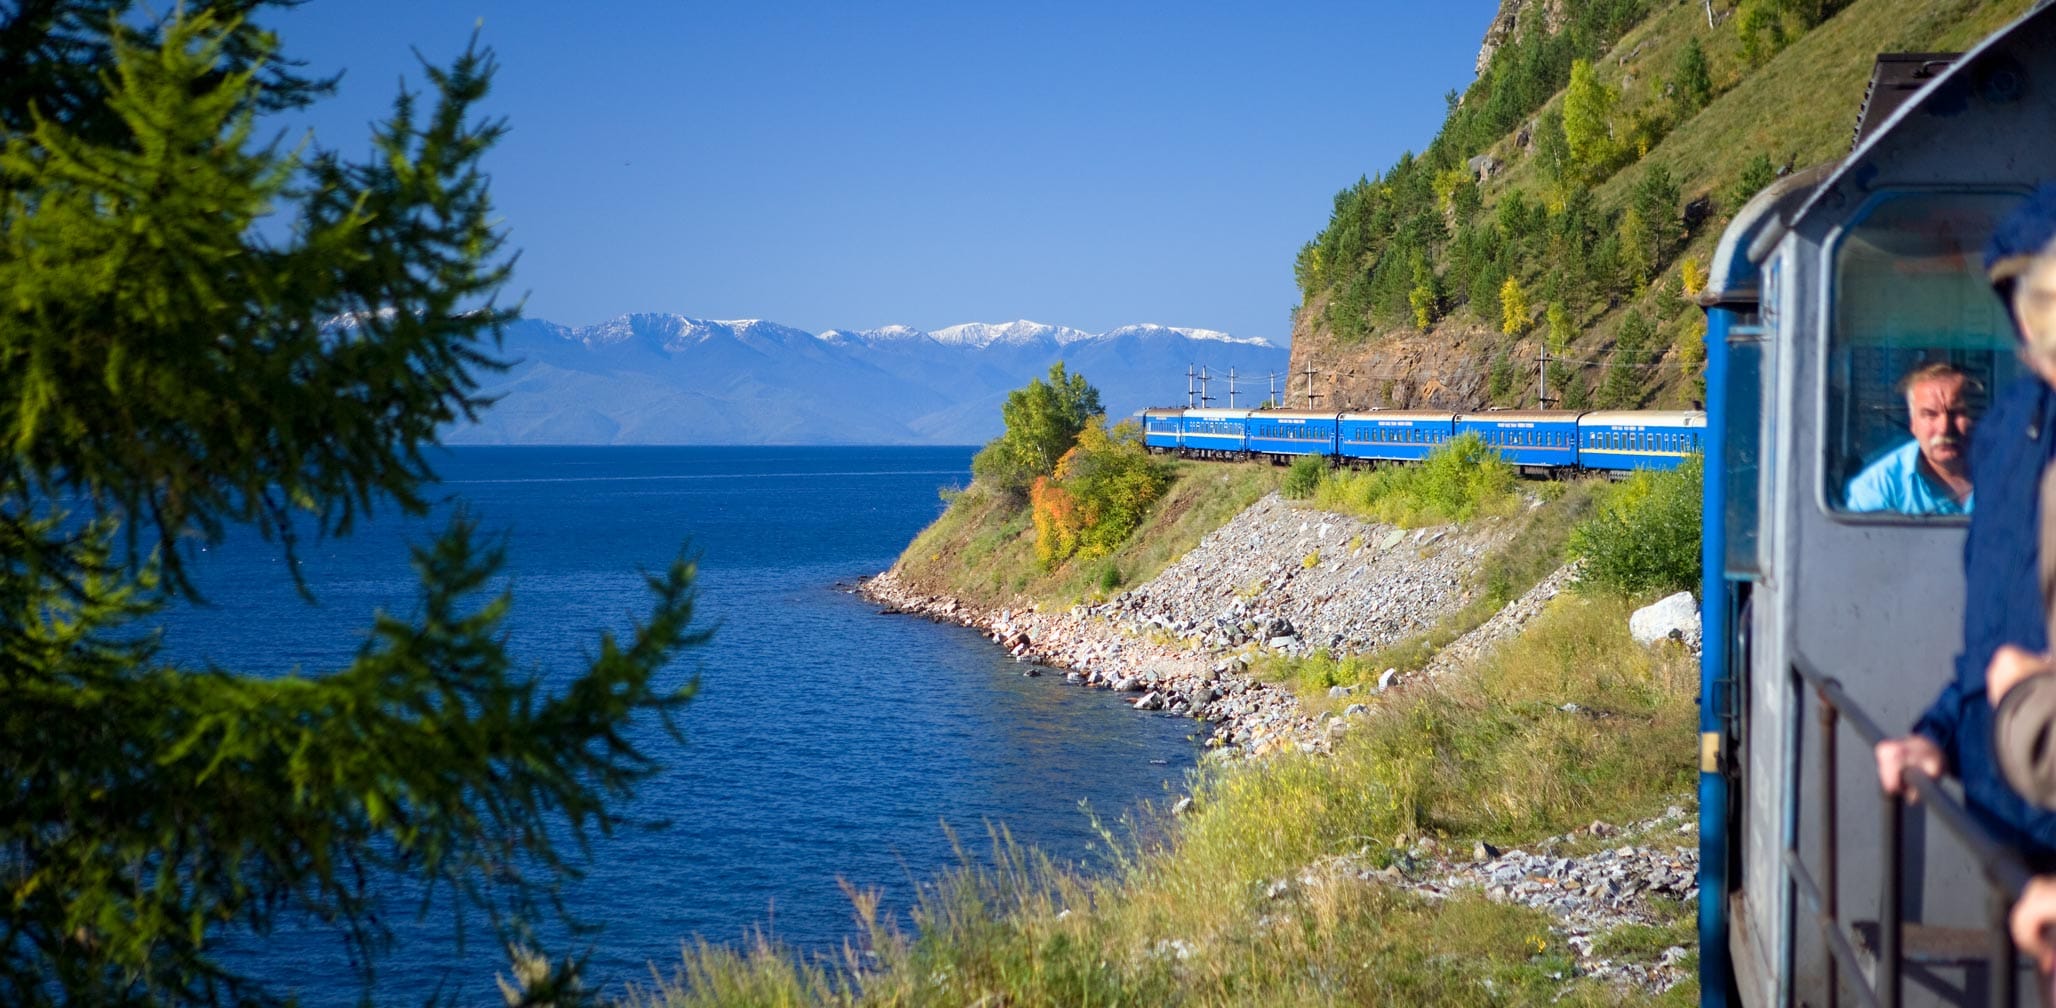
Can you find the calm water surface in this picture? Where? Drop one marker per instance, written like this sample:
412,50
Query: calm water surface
827,743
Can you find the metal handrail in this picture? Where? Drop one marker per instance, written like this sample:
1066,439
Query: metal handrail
2005,872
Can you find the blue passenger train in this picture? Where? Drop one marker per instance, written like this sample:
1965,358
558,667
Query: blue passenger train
1540,442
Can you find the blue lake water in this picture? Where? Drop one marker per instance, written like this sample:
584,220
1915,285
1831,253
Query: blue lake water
828,743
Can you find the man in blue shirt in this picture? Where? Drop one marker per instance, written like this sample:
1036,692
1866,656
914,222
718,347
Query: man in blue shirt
1929,475
2003,601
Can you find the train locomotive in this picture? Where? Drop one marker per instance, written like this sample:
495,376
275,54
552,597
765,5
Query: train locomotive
1828,627
1538,442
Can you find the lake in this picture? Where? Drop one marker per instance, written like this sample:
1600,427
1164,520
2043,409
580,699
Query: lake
828,743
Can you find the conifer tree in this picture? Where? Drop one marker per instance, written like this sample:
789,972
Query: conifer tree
1692,82
1622,388
1499,379
168,372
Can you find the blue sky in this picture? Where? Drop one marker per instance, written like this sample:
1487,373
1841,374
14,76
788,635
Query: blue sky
860,164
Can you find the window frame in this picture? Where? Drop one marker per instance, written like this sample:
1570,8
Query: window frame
1827,501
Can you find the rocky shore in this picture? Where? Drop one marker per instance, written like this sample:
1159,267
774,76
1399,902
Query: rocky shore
1275,578
1288,580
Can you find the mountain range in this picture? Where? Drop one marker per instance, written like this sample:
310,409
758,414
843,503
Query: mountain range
670,379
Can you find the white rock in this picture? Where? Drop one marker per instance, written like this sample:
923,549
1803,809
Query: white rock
1676,617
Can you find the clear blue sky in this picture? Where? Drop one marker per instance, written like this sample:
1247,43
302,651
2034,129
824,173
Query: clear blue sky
854,165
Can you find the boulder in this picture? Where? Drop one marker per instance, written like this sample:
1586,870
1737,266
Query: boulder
1675,618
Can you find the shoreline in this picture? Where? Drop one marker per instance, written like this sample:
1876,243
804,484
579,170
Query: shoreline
1181,645
1277,579
1248,716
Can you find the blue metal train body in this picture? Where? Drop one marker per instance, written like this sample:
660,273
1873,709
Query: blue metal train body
1391,435
1539,441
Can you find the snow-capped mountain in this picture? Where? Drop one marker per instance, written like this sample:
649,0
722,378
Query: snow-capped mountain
670,379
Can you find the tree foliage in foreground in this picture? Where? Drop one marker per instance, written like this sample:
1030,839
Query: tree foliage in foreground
167,373
1043,419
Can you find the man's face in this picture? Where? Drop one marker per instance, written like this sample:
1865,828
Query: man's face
1940,419
2034,308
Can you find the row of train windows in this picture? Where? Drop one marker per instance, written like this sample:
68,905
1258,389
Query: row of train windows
1396,435
1293,433
1539,439
1640,441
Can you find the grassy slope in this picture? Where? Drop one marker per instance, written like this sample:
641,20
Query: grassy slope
1800,107
982,550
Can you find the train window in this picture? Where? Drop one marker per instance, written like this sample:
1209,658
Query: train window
1916,340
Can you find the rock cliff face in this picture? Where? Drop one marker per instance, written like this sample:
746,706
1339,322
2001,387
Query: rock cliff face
1513,15
1447,367
1502,28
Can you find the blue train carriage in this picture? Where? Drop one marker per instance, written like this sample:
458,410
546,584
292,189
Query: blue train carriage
1621,441
1391,435
1539,442
1161,427
1214,433
1824,624
1283,435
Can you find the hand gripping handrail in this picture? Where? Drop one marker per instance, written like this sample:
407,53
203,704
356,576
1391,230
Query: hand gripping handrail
2005,872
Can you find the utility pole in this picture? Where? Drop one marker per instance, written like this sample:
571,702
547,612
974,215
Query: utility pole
1273,378
1231,388
1542,377
1203,379
1311,396
1188,386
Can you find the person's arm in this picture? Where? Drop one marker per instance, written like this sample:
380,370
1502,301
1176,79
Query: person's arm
1926,747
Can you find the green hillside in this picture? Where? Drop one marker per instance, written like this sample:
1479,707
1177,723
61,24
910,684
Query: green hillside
1576,191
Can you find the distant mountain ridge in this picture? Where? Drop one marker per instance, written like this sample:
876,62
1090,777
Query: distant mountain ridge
654,378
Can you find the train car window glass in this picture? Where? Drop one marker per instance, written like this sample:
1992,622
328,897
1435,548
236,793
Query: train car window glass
1741,415
1908,291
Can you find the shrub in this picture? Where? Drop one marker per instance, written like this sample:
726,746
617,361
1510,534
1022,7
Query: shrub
1304,477
1461,480
1109,579
1097,496
1645,541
